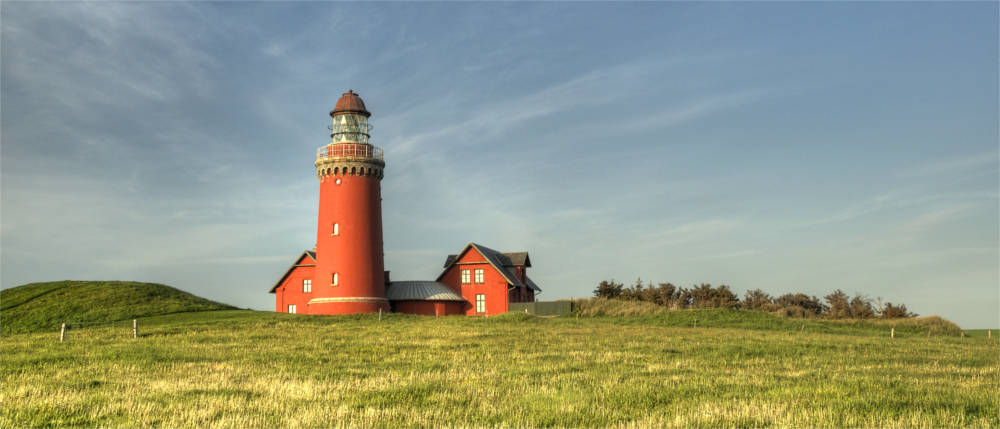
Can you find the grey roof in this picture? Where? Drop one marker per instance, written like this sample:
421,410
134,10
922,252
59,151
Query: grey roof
509,259
420,290
497,260
517,258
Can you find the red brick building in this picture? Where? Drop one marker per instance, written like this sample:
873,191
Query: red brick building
489,279
345,272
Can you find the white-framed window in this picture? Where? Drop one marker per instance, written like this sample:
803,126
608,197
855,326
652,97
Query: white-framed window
335,280
335,230
291,308
479,276
307,285
466,278
480,303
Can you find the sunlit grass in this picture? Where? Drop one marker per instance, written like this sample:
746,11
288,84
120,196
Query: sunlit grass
248,369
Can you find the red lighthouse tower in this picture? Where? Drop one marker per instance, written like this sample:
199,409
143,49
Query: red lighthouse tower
349,273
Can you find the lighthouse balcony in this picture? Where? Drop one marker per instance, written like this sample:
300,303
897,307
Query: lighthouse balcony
349,151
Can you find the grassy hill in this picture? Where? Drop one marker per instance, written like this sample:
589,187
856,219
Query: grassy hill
44,306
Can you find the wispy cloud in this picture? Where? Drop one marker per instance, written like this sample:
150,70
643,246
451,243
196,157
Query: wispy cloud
985,161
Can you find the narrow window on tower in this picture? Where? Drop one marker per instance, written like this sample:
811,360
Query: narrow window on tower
336,229
334,281
465,277
291,308
307,285
480,303
479,275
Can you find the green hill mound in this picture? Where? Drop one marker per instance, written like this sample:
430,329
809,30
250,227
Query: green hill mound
646,313
45,306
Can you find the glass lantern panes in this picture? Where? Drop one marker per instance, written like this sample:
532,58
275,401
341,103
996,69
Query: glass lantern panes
350,128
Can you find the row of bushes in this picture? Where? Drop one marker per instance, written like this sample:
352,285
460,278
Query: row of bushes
837,305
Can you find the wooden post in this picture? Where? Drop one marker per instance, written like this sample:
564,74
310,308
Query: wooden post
695,323
989,333
380,315
62,332
135,328
892,333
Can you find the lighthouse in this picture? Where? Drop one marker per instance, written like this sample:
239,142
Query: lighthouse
349,274
344,273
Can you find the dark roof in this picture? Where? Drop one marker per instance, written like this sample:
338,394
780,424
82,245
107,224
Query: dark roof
502,262
420,290
311,254
510,259
350,103
518,258
532,284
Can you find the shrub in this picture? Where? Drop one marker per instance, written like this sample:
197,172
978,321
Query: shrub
666,295
807,306
891,311
758,300
705,296
861,307
608,289
839,306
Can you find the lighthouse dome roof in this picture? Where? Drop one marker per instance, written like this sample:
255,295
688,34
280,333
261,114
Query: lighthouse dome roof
350,103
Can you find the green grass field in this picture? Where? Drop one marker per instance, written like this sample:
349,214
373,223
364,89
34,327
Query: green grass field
237,368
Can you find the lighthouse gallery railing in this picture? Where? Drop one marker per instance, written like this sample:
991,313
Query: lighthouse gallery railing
349,151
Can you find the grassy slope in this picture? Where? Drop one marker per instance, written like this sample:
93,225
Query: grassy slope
44,306
256,369
647,313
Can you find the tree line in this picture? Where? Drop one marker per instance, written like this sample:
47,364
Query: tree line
837,305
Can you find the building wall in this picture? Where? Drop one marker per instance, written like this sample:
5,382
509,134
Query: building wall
429,308
494,288
290,290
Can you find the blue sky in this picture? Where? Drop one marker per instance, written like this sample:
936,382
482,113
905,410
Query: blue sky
786,146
